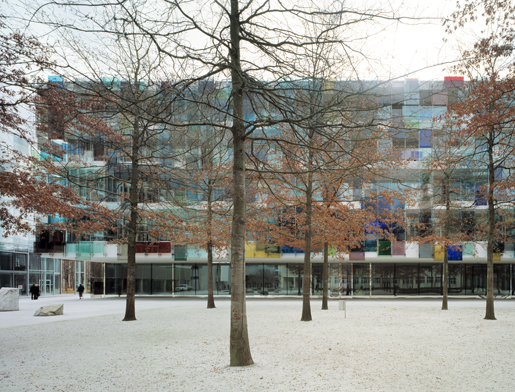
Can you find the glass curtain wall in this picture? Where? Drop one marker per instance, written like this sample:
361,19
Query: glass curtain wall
406,279
184,279
80,274
430,280
337,279
143,274
222,282
501,279
361,279
295,277
162,279
286,279
475,282
116,279
316,279
456,284
382,279
13,271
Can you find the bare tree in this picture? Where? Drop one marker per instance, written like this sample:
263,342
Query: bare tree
256,46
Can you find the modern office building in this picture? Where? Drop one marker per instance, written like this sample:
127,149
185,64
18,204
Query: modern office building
379,267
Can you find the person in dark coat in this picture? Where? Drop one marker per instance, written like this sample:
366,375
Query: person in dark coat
37,291
80,290
33,289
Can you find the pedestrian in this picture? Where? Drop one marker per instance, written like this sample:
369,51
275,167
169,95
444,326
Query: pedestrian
80,290
37,291
33,291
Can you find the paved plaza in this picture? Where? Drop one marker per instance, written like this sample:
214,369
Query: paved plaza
178,345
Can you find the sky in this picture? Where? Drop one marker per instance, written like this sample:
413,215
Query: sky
413,49
417,48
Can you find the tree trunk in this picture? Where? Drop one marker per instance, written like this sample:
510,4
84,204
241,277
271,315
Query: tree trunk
490,314
130,308
445,270
445,277
239,339
324,276
306,306
210,297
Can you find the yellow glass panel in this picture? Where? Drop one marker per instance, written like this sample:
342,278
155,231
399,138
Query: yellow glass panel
250,250
497,257
439,252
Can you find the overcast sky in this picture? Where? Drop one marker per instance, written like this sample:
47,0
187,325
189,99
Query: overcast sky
414,48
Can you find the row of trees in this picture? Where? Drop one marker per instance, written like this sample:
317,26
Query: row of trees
163,123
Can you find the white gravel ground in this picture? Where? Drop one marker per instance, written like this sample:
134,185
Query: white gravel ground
179,345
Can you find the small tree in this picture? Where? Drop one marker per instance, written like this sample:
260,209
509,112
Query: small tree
485,118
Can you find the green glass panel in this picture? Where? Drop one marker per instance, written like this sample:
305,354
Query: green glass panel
180,253
98,247
385,248
72,248
468,250
85,247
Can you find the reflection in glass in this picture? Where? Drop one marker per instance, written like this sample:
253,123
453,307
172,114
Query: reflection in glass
57,284
48,286
35,262
183,282
294,279
382,279
19,280
116,278
334,279
430,280
49,264
274,281
201,280
361,279
456,284
6,262
20,262
143,274
344,271
254,279
406,279
475,279
222,282
316,279
501,279
5,280
162,280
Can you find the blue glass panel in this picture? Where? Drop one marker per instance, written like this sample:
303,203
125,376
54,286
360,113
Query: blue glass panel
425,113
498,173
455,253
290,249
426,138
375,227
55,79
480,197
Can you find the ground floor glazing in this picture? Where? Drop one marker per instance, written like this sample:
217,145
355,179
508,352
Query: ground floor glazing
358,279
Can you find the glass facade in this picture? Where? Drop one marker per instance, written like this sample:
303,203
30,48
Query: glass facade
13,271
383,279
359,279
162,279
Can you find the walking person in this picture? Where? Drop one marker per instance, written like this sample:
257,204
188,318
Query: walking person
37,291
33,289
80,289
